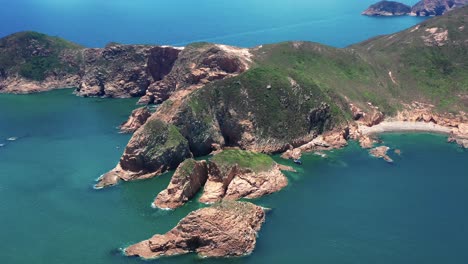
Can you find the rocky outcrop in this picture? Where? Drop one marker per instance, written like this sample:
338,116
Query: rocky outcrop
228,229
154,148
33,62
187,180
136,120
161,60
329,140
115,71
197,65
387,8
381,152
421,8
436,7
235,174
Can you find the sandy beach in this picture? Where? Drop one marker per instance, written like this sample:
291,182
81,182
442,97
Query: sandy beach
404,126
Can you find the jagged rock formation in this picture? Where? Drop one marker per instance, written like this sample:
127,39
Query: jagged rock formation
227,229
33,62
381,152
187,180
231,174
114,71
436,7
136,120
387,8
234,174
197,65
421,8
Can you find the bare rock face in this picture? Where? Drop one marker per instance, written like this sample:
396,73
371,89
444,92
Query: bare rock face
196,65
115,71
252,184
235,174
161,60
154,149
387,8
381,152
374,118
187,180
136,120
227,229
436,7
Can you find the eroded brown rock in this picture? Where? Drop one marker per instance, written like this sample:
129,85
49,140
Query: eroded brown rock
227,229
187,180
196,66
154,149
381,152
136,120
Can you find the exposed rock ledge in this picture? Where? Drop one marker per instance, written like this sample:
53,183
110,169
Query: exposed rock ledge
136,120
223,230
231,174
157,145
187,180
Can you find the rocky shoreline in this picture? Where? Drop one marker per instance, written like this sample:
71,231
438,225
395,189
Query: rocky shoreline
226,229
421,8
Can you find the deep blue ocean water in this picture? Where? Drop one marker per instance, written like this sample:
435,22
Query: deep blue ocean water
246,23
346,208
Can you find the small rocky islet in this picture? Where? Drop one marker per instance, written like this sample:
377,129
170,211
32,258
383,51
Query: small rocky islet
239,105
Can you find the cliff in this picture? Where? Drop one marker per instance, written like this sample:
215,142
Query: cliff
227,229
34,62
294,93
387,8
187,180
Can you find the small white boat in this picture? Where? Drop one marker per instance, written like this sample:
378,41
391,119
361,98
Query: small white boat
12,138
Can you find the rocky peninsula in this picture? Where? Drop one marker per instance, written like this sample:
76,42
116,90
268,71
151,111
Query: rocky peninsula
422,8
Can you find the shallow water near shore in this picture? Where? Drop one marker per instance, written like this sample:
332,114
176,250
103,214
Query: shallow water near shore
346,208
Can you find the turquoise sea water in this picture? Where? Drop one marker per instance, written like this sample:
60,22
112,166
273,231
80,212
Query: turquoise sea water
178,22
347,208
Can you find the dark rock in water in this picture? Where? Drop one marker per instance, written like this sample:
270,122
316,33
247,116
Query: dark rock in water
387,8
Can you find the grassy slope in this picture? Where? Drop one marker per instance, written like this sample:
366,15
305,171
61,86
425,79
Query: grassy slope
244,159
432,74
32,55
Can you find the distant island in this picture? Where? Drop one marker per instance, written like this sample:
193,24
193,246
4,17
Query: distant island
422,8
387,8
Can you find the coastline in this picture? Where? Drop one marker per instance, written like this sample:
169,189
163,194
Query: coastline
405,126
